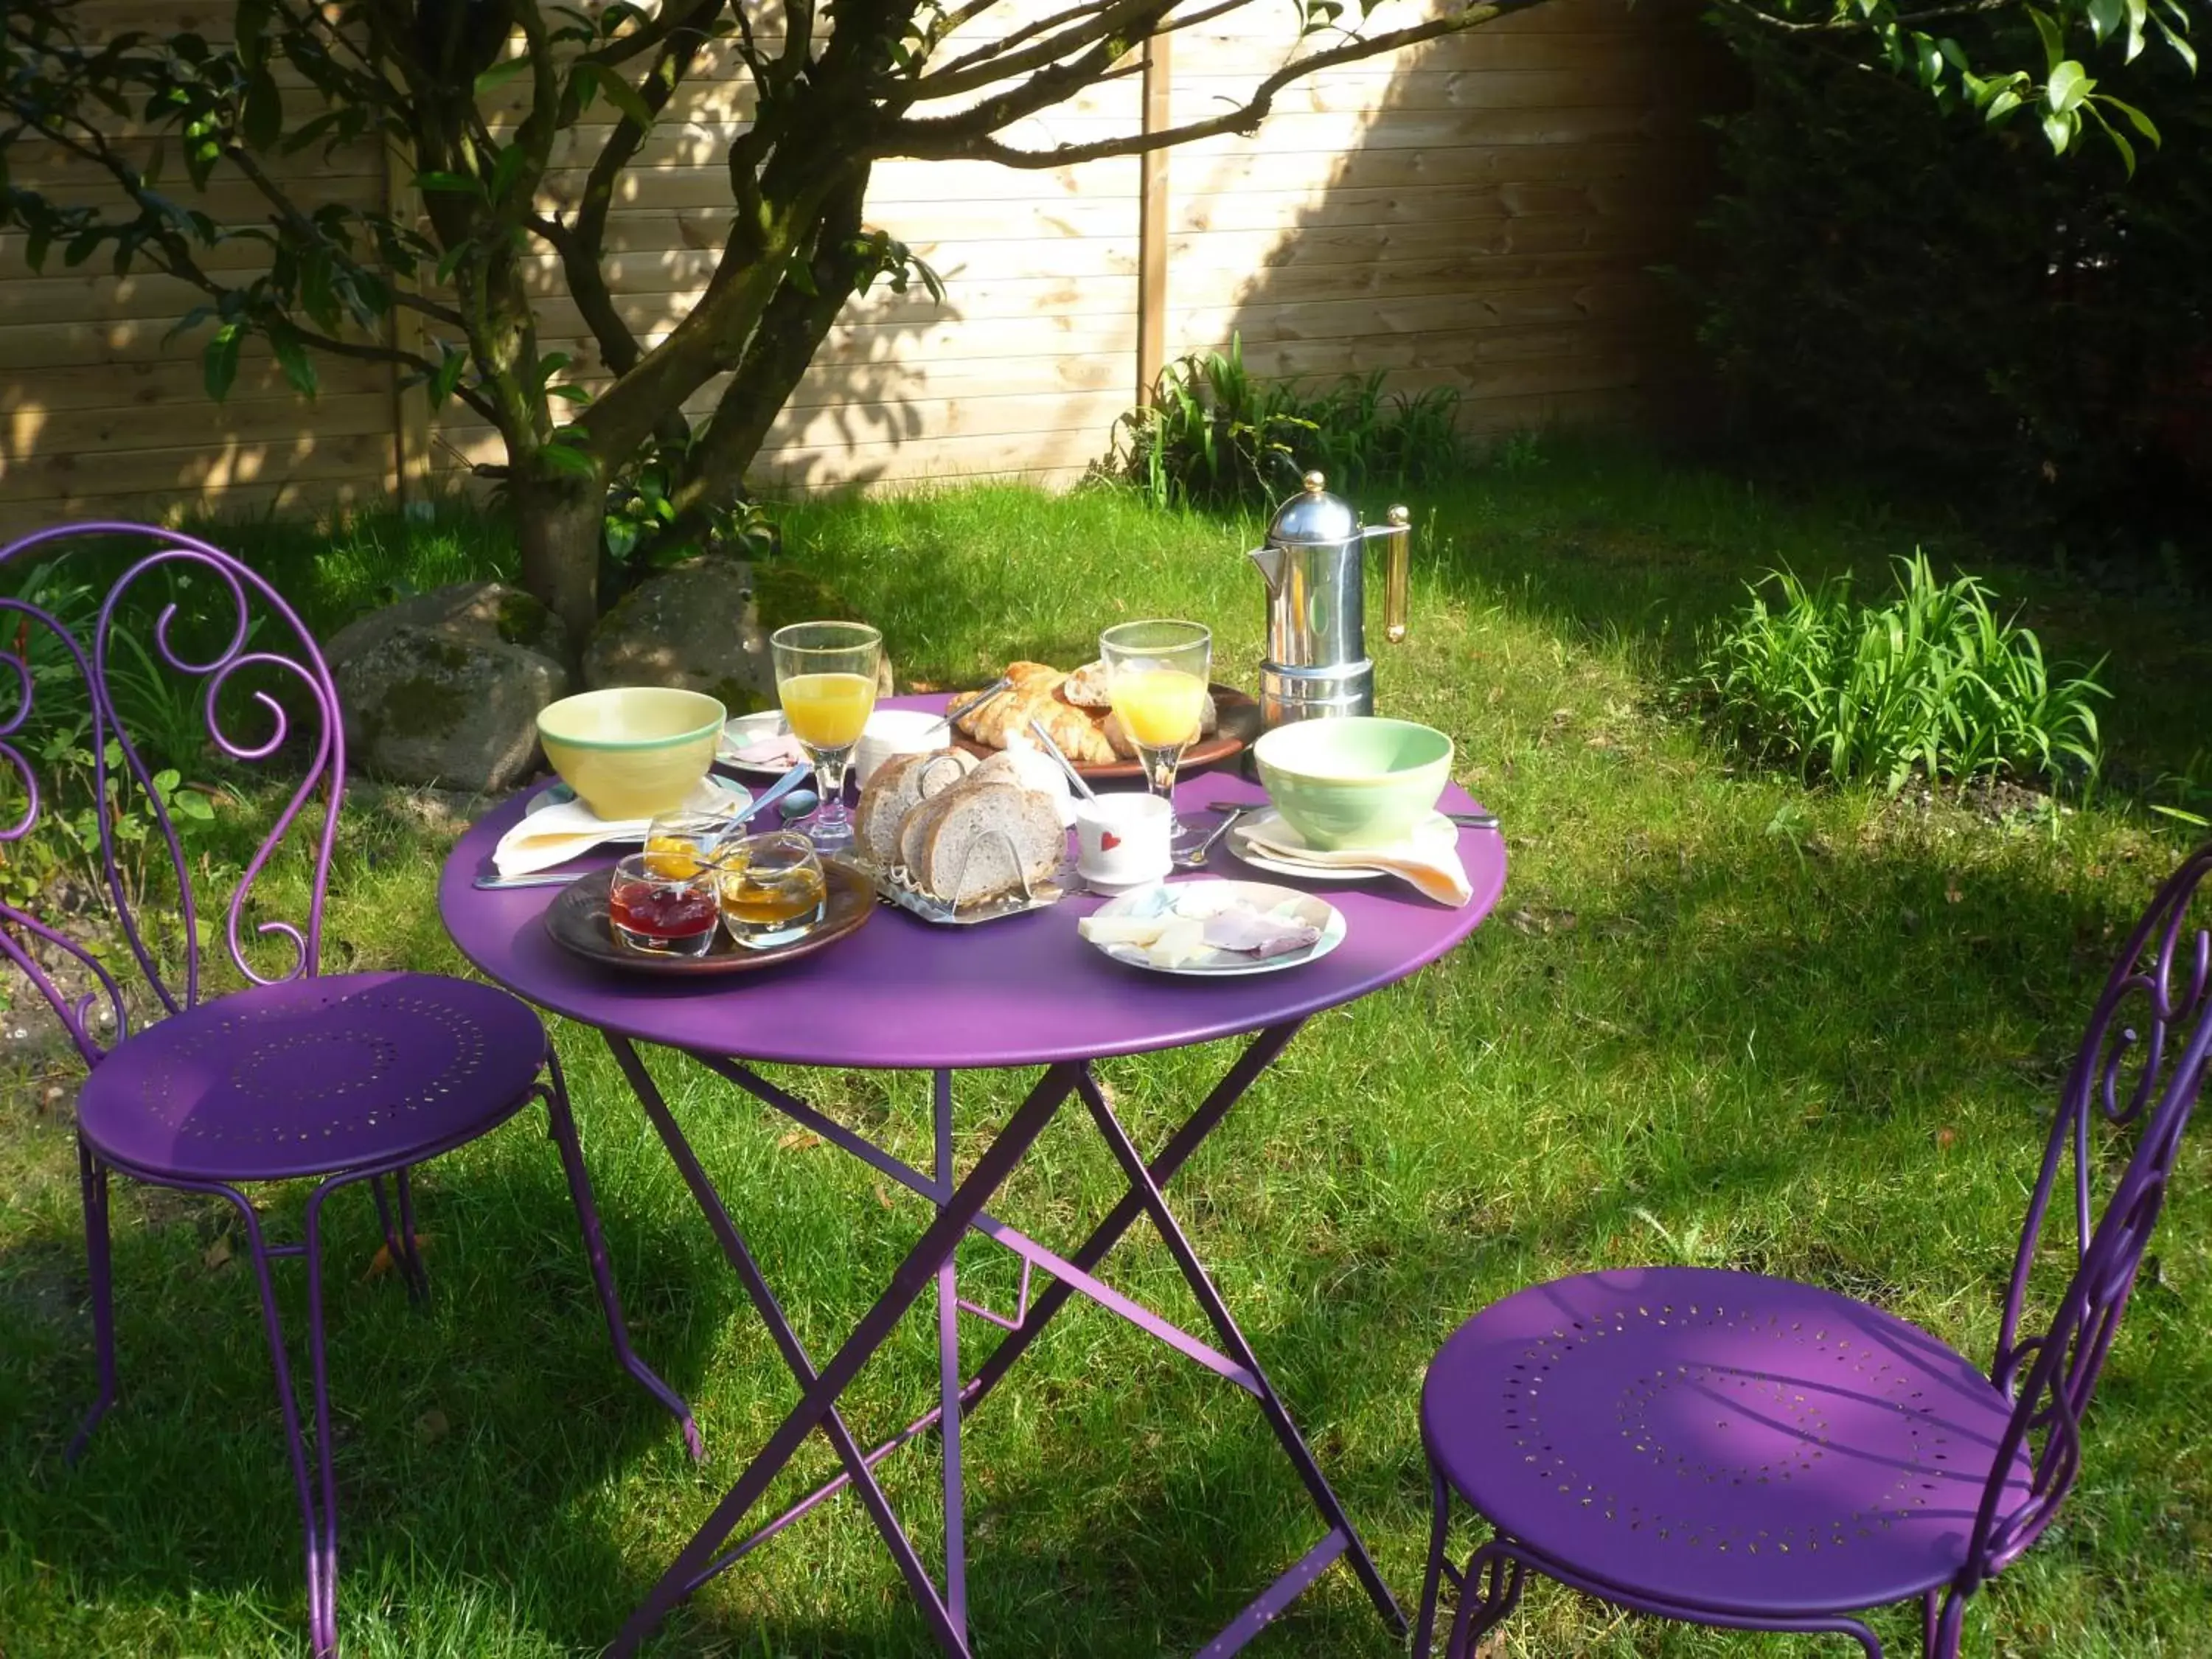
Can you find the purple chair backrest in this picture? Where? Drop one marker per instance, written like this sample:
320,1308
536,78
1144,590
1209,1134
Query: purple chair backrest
2141,1064
96,656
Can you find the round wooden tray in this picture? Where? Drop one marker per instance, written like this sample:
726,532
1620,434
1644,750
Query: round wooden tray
577,918
1237,717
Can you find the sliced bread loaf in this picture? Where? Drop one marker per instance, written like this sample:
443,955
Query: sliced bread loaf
897,786
986,839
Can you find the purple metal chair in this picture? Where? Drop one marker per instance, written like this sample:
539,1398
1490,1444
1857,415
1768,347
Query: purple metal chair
342,1079
1733,1450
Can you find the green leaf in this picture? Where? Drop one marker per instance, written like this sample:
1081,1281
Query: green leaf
506,170
2054,40
448,184
2182,49
2138,15
500,74
219,362
2068,85
2002,104
574,394
261,121
567,458
2105,16
450,366
623,95
252,31
292,356
2135,119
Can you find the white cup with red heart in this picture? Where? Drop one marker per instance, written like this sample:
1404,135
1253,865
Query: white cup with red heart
1124,840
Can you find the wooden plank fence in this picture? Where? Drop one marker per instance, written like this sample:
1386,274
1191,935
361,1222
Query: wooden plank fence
1482,213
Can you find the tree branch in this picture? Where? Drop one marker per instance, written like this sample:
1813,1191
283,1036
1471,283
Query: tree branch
581,243
1844,25
783,344
666,25
1005,43
1127,20
967,134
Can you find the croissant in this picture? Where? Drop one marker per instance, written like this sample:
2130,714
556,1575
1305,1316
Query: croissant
1034,696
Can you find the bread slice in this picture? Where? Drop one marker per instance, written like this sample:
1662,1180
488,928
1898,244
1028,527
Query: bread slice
890,793
896,789
989,840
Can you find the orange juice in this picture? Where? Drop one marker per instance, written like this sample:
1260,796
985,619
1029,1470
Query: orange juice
1159,708
827,711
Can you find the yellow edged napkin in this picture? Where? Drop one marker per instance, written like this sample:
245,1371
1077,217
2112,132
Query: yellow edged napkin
1435,871
554,834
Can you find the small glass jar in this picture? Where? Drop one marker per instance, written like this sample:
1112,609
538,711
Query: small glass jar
653,909
677,844
772,888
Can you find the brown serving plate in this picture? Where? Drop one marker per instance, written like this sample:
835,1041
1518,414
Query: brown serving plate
577,918
1237,723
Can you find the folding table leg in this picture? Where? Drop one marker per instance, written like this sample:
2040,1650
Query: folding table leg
1258,1056
948,1378
1143,1185
857,1468
818,1401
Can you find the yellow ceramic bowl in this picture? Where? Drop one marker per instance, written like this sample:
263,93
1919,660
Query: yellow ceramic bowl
631,750
1354,781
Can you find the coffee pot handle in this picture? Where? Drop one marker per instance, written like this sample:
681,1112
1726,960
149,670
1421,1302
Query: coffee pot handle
1396,576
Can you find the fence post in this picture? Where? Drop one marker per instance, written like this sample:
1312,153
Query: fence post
1153,226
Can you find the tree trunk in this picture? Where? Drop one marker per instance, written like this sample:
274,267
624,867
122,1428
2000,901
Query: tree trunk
557,524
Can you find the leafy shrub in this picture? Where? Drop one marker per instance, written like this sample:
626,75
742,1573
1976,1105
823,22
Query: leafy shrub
640,534
1933,681
1893,287
1215,436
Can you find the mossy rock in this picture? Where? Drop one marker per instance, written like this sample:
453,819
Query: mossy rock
490,613
424,705
704,626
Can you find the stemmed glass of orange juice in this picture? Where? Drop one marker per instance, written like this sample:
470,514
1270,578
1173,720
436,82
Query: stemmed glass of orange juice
826,676
1155,677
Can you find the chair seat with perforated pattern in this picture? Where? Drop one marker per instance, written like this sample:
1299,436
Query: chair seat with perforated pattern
1718,1439
314,1076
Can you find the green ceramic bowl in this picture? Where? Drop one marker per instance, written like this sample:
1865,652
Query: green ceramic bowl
1354,781
631,752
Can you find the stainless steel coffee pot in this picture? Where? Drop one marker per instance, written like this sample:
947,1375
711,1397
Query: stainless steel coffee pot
1315,561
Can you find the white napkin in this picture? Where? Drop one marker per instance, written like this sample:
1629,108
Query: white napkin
1436,872
554,834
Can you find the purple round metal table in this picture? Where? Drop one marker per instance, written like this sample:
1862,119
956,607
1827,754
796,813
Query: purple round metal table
1025,991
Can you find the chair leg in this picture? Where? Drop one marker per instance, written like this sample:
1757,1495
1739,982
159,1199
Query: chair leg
1424,1627
1944,1626
92,1175
400,1245
560,1122
1488,1593
323,1532
321,1552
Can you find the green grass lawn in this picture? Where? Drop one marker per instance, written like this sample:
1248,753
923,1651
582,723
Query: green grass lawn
1715,1018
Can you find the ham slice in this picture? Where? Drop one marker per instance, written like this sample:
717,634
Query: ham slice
1258,933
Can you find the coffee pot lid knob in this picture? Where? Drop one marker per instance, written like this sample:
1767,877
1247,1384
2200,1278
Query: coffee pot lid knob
1313,515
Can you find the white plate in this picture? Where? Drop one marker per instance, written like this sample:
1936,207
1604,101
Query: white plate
749,729
1434,834
1305,907
555,794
